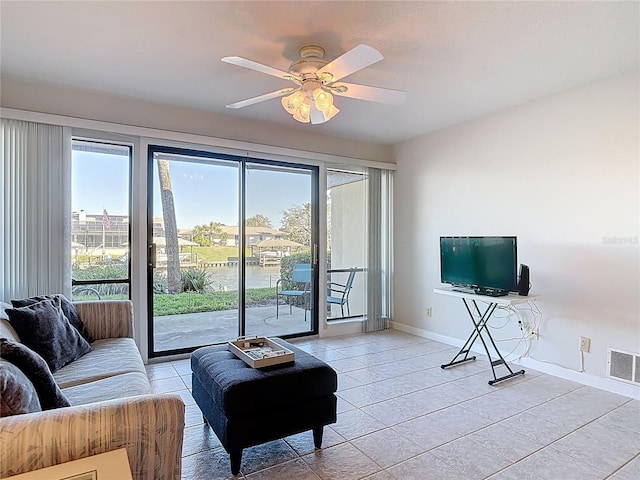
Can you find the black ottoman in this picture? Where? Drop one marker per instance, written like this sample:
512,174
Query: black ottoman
246,406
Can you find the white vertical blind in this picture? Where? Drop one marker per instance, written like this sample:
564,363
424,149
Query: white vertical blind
379,258
35,239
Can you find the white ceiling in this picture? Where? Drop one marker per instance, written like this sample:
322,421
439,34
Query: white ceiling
456,60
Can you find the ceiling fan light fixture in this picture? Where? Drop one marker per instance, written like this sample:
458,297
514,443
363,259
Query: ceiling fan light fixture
300,117
322,99
302,112
330,113
293,101
311,100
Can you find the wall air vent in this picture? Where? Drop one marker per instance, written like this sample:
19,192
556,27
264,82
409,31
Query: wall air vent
623,366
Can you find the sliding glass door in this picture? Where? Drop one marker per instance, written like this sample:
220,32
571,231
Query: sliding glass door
225,234
280,232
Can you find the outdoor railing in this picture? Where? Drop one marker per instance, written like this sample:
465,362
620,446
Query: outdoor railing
341,271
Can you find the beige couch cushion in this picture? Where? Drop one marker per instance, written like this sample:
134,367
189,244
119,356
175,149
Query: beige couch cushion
125,385
109,357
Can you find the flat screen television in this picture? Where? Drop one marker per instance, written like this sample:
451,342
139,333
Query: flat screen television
484,265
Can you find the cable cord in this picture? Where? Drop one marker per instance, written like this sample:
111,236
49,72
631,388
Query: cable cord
527,327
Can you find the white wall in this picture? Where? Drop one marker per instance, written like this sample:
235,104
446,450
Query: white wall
561,173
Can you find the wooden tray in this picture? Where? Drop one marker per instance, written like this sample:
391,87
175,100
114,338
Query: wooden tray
259,352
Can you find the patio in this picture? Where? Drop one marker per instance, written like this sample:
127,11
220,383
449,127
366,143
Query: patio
174,332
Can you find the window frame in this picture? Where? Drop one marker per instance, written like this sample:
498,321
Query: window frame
99,139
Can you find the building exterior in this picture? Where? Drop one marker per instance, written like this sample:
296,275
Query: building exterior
92,231
102,230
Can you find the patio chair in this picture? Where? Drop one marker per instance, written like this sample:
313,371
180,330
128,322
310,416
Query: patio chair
300,287
338,294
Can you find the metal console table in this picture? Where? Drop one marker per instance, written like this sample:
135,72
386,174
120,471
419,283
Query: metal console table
480,328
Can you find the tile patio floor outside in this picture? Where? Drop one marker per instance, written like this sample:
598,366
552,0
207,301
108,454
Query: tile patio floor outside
195,329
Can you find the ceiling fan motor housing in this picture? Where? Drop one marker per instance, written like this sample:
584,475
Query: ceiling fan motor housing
312,60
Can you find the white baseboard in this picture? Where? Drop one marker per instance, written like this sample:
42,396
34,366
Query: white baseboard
336,328
584,378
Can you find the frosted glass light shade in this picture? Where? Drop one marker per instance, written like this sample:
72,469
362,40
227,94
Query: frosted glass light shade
299,105
323,100
293,101
332,112
302,113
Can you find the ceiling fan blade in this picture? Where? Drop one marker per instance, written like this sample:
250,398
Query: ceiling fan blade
375,94
355,59
262,98
258,67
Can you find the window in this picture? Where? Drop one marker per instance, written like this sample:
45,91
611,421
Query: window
100,219
346,243
359,245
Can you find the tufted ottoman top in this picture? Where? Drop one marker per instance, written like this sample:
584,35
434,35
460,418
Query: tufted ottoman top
240,390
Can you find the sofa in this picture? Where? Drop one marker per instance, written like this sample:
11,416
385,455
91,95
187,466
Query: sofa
112,406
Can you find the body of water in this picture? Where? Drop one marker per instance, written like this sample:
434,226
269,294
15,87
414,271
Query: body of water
226,278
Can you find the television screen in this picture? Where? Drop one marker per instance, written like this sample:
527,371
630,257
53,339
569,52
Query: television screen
479,263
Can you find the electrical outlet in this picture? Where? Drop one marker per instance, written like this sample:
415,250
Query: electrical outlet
535,334
585,344
429,312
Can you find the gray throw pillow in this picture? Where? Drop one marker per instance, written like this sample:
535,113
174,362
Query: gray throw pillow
68,309
17,394
44,328
37,372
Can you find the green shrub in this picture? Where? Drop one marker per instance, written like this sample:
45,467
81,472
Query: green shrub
195,280
101,272
160,284
104,272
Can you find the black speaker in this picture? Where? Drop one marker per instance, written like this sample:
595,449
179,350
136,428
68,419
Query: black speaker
523,280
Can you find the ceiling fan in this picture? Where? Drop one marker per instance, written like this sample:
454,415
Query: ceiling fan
317,80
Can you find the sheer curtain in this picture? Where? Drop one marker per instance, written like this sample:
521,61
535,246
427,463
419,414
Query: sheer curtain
380,250
35,235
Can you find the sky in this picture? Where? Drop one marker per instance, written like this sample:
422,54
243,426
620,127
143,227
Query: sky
203,192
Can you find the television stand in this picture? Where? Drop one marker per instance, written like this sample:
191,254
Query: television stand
462,290
492,293
481,291
479,320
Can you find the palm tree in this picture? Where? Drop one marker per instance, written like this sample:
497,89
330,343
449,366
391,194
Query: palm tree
170,227
206,235
214,229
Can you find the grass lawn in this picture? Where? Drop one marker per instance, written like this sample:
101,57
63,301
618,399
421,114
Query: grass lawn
216,254
192,302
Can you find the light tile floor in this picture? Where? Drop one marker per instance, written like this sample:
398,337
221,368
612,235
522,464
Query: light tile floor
400,416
